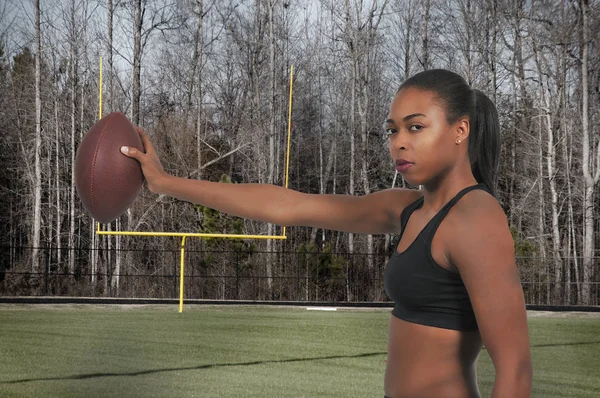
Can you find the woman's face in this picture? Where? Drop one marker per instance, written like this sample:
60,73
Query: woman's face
422,142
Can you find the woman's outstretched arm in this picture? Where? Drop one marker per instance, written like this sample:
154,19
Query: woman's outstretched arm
376,213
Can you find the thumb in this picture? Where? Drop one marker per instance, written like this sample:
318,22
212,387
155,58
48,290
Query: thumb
130,152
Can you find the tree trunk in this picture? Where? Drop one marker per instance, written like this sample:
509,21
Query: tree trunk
137,63
407,43
493,52
197,66
468,27
554,205
590,178
541,206
352,148
522,104
93,254
118,260
74,76
543,111
37,182
324,168
109,50
352,122
513,155
109,274
572,247
57,173
196,58
426,35
272,122
363,108
567,164
568,161
50,215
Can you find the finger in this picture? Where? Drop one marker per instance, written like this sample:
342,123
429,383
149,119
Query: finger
145,140
132,152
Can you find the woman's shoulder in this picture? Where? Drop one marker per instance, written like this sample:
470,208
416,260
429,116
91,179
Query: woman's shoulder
479,227
479,208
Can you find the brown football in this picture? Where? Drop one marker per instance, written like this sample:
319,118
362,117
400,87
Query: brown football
107,181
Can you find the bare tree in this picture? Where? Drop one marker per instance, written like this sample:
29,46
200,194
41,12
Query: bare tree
271,132
207,97
109,53
491,52
426,17
137,62
148,16
591,176
37,182
197,65
73,77
365,72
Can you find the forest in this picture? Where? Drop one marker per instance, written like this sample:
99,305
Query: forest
209,81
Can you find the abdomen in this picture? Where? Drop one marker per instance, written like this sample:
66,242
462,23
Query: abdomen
425,361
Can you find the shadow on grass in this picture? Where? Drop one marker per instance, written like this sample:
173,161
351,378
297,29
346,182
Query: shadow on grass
250,363
559,344
200,367
564,344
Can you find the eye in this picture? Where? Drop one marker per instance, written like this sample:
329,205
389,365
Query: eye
390,131
415,127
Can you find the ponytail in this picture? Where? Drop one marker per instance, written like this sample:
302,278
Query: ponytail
484,142
461,100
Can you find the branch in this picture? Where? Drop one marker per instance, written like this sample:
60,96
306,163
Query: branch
162,196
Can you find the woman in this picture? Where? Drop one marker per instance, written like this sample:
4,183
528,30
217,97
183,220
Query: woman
453,276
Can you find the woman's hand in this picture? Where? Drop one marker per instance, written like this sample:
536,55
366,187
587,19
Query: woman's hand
151,167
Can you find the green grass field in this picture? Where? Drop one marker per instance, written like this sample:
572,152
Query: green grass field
212,351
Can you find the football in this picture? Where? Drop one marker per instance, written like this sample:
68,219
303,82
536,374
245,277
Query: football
107,181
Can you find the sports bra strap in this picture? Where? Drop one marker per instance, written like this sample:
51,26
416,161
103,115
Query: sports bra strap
435,222
408,211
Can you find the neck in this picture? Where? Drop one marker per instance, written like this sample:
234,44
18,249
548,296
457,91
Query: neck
441,190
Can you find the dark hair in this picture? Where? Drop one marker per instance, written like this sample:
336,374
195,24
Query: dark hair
461,100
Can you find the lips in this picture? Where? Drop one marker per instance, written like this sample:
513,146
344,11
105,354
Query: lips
403,165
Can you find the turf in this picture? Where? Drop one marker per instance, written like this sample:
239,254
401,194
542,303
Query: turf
210,351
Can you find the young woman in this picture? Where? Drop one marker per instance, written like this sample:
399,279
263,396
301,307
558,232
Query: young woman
453,276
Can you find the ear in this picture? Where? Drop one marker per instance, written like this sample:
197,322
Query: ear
461,131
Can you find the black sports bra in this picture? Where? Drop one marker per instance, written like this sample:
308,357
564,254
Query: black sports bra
424,292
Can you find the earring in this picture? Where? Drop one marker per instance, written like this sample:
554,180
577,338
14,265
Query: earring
457,142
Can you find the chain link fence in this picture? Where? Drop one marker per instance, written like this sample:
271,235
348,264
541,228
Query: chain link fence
302,275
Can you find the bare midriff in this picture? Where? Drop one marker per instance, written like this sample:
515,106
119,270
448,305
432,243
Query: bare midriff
425,361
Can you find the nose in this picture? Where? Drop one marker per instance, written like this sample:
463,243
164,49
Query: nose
398,141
